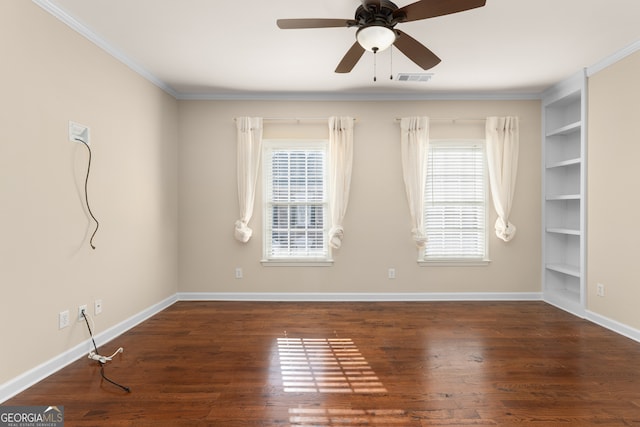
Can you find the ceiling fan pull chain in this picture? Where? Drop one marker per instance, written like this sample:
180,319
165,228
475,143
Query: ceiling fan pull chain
391,63
375,69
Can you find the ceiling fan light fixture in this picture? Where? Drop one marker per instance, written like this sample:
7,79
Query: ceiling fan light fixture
375,38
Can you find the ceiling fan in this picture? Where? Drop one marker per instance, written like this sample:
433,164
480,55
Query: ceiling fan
376,21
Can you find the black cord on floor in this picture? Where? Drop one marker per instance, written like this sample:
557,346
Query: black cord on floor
125,388
86,193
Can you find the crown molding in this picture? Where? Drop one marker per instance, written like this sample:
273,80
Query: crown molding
364,96
55,10
612,59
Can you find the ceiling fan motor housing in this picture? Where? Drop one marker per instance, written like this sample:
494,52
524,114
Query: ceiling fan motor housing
375,21
380,13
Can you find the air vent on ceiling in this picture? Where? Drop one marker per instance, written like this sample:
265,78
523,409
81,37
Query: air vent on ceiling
414,77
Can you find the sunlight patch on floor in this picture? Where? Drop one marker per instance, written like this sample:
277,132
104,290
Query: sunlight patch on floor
346,417
325,365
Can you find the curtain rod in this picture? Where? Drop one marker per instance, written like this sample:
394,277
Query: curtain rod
294,119
452,119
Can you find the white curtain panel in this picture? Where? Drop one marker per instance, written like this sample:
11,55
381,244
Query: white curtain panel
249,142
340,166
502,135
414,147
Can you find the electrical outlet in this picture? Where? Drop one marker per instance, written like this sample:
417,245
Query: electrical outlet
82,308
600,290
238,273
392,273
63,319
97,306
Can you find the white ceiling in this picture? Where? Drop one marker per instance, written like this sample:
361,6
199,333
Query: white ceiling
211,48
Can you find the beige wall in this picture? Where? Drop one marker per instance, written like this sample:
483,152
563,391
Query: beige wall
377,231
51,75
54,75
613,196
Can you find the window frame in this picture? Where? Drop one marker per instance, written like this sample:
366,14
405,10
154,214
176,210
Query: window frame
268,147
458,261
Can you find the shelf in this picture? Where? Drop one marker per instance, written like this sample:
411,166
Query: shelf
568,162
569,231
567,129
563,197
569,270
564,187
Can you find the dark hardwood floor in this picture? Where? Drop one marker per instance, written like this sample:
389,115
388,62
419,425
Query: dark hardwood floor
355,364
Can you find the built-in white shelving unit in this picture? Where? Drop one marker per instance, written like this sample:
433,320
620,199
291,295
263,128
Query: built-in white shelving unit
564,194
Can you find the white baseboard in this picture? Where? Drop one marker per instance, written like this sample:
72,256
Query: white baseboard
355,297
29,378
614,325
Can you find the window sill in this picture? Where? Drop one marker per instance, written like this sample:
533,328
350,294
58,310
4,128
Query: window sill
455,263
296,263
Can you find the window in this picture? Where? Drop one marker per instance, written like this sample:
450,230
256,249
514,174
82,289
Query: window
455,209
296,202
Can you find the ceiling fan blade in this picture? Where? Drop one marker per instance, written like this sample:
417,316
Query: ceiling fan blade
424,9
351,58
287,24
415,51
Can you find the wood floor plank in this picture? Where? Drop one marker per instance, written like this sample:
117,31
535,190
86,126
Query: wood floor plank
389,364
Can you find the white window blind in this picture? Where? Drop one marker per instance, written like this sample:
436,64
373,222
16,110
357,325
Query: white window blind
455,201
296,200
